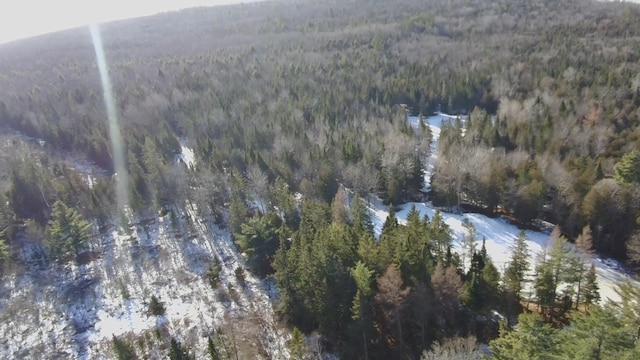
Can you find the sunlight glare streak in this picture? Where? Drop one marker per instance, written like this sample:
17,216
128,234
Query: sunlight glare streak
117,146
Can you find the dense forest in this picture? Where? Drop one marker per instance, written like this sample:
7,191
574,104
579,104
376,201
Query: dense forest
297,115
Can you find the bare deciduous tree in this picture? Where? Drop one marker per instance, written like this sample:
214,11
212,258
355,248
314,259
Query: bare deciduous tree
391,298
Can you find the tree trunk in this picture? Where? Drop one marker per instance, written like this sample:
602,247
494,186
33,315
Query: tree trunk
364,342
599,348
556,277
579,286
399,334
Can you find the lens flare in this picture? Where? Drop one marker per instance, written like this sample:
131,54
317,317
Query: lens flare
117,146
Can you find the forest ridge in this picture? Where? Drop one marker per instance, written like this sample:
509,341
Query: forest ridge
556,95
288,99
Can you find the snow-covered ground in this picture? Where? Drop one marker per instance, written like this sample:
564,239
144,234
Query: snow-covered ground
435,122
500,235
186,155
498,232
73,311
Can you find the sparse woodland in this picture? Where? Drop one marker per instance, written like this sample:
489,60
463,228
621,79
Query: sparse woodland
278,98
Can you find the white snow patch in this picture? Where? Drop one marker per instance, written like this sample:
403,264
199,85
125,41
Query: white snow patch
121,317
187,156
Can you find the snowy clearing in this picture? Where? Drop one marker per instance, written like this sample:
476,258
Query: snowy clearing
71,311
498,232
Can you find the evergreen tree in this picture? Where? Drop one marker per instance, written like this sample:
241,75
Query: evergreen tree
360,215
532,339
413,252
139,196
6,218
545,286
415,176
221,348
590,290
515,273
360,310
597,335
286,263
156,307
574,275
212,350
368,251
553,271
122,349
5,256
627,170
177,351
285,202
389,239
392,185
468,243
584,243
427,134
391,222
315,215
153,163
67,231
238,212
483,249
473,297
491,277
259,240
334,253
313,274
482,282
441,236
297,345
629,308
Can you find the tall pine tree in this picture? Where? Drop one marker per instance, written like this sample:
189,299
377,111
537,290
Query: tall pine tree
67,232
